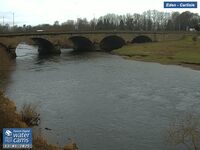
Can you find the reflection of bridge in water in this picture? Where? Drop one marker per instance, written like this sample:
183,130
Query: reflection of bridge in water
81,40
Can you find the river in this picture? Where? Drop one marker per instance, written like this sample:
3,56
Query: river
102,101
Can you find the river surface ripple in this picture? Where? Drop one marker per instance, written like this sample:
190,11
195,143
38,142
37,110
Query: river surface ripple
102,101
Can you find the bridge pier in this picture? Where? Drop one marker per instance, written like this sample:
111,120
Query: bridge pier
46,47
12,52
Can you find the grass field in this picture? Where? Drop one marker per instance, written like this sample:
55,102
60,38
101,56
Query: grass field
184,52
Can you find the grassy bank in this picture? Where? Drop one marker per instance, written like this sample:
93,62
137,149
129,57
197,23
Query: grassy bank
184,52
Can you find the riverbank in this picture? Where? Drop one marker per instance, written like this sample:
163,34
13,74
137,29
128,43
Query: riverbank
9,117
184,52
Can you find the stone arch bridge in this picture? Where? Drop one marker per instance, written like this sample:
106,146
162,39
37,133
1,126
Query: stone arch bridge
94,40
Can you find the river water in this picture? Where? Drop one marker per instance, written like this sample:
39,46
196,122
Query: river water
102,101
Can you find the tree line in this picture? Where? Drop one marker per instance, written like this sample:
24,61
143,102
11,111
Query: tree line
151,20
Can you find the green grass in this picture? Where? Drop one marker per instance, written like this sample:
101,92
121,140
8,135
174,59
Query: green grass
184,51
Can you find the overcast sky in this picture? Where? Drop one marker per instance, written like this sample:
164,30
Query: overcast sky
47,11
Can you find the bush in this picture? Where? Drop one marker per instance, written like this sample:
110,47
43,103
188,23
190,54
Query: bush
29,115
185,132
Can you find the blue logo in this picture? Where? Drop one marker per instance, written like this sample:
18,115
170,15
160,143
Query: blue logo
17,138
179,4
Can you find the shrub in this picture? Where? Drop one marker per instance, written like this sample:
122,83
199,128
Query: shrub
29,115
185,132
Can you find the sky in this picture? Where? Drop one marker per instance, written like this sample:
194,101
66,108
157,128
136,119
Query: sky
33,12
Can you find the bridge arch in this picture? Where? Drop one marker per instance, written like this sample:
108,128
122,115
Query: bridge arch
141,39
81,43
112,42
45,46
